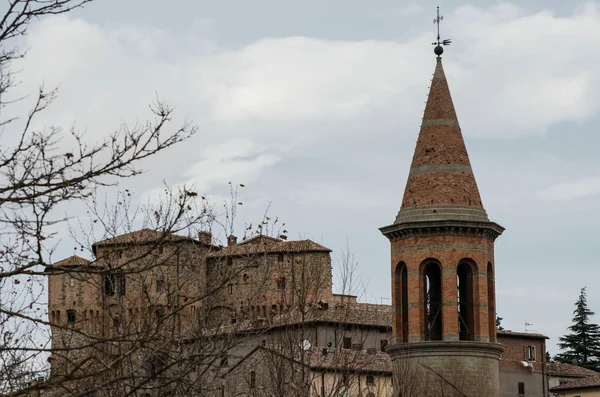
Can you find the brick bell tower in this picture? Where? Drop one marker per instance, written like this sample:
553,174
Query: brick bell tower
442,250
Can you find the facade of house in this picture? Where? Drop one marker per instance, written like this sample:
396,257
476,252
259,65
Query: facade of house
523,369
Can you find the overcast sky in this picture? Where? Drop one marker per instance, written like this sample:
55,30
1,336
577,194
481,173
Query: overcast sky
315,106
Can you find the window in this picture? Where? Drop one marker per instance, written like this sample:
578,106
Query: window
521,386
245,277
71,317
530,353
252,379
230,289
160,286
114,283
370,380
280,258
347,343
281,283
383,344
160,250
373,395
72,282
109,284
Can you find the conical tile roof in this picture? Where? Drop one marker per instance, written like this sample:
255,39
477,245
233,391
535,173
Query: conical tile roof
441,184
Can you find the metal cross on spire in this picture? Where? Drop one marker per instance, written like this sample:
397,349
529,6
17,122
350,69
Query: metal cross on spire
439,43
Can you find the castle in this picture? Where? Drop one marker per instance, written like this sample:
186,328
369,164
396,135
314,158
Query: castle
266,308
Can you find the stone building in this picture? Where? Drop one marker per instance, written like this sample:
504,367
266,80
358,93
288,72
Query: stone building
442,251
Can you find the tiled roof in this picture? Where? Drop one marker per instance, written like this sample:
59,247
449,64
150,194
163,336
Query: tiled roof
358,314
141,236
269,246
531,335
564,369
72,261
440,174
365,314
340,359
259,238
583,383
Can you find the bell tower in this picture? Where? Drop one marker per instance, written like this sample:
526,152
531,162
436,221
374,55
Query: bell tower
442,252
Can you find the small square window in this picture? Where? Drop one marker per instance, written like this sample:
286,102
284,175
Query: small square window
160,286
71,316
280,258
281,283
370,380
72,282
347,343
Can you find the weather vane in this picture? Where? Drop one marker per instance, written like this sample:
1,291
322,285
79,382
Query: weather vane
439,50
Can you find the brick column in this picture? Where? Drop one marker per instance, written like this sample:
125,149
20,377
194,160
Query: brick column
450,304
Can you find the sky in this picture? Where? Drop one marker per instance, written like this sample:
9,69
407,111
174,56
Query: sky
315,107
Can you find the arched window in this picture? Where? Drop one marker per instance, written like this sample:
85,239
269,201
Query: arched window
432,287
464,284
491,301
401,284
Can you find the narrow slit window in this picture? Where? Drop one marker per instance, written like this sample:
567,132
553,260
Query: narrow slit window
71,316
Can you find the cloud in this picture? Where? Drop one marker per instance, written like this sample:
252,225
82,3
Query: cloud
236,161
580,188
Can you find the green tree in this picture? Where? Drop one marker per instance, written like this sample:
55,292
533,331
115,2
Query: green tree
582,344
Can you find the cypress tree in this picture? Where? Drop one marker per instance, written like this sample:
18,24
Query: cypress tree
582,344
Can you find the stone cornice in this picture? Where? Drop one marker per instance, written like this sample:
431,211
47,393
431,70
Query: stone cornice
489,230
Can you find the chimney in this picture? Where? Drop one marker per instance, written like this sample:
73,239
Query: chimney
231,240
205,237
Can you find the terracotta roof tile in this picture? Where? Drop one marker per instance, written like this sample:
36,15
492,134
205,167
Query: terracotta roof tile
141,236
270,246
72,261
441,183
531,335
583,383
565,369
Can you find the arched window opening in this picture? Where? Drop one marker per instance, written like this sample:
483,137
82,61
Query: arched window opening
433,301
404,304
401,285
491,302
464,278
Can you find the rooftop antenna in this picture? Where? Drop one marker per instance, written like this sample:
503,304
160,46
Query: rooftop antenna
439,50
527,325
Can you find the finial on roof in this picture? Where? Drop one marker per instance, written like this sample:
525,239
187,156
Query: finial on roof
439,50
